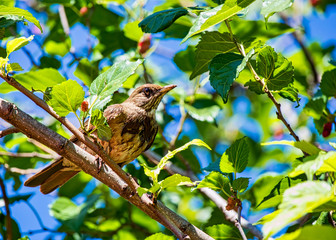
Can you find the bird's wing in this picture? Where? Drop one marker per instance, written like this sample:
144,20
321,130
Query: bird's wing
114,114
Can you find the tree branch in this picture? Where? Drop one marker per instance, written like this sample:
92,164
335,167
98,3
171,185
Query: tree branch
19,170
80,136
8,217
8,131
298,38
27,155
33,129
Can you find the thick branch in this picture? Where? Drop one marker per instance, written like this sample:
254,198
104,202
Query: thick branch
33,129
80,136
8,217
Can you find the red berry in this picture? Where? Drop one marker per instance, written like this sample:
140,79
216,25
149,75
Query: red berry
83,10
315,2
327,129
85,106
144,44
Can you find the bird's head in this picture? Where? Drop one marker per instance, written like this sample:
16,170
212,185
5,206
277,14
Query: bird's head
148,96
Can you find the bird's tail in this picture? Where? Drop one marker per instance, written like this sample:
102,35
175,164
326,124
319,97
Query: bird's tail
52,177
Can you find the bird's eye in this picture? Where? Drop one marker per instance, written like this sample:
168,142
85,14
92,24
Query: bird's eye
147,91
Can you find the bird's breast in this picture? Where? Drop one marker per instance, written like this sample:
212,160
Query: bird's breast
131,137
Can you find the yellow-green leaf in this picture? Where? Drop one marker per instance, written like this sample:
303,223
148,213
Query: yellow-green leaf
4,10
17,43
302,145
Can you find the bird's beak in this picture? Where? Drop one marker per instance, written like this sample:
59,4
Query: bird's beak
166,89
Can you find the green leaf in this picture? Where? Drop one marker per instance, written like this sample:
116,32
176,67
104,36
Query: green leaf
302,145
185,59
175,180
161,20
297,201
328,83
37,80
323,162
159,236
104,132
311,233
8,20
225,165
141,191
207,114
49,62
274,196
247,29
275,68
254,87
110,81
217,15
60,48
71,215
4,11
223,71
262,187
211,44
14,67
290,93
171,154
217,182
17,43
269,7
236,156
223,232
66,97
133,31
315,107
97,118
86,71
240,184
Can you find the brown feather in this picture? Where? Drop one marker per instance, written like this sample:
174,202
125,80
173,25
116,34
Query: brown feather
56,180
40,177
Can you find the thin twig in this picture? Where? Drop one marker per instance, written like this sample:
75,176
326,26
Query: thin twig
64,20
8,215
31,57
147,77
179,128
264,86
298,38
331,219
8,131
238,224
43,147
37,216
27,155
19,170
242,233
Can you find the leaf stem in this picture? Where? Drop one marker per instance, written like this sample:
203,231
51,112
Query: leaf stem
280,116
8,217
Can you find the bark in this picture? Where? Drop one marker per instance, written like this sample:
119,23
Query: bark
37,131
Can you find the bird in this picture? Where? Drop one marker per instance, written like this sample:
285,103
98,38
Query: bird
133,127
